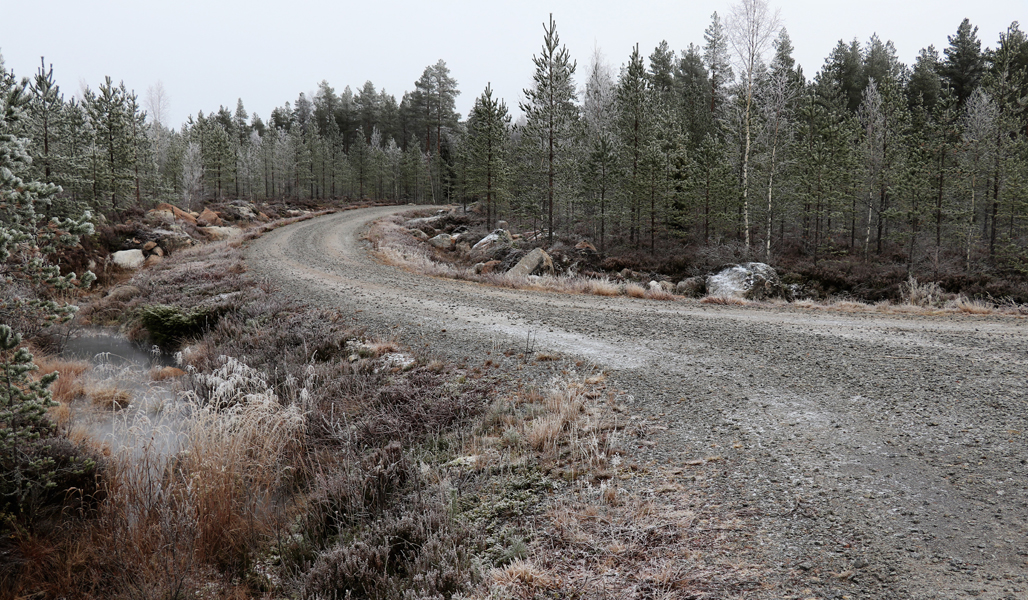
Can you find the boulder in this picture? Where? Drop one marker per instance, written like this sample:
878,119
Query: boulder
752,281
536,262
424,223
123,293
443,241
242,211
128,259
653,286
667,286
172,240
691,287
494,246
502,225
421,235
586,248
220,233
179,214
211,217
160,217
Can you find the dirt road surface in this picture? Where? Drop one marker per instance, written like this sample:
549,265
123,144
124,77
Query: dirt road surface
879,456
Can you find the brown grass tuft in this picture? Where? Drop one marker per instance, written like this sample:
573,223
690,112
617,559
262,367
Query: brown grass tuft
725,301
69,384
108,397
659,294
973,307
165,373
634,290
602,287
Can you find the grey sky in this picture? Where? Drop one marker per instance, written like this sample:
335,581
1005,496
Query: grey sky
210,53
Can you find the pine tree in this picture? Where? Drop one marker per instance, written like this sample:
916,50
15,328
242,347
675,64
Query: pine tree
633,118
111,117
718,62
551,114
28,280
964,64
925,86
488,132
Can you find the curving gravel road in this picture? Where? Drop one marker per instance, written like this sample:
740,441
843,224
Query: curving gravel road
887,450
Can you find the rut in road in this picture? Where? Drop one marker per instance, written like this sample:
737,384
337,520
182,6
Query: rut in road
889,447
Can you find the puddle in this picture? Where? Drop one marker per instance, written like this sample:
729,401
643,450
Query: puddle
104,345
126,410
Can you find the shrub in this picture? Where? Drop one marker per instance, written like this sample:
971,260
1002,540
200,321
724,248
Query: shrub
921,294
170,325
419,553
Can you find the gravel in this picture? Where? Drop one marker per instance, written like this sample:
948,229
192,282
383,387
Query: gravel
879,456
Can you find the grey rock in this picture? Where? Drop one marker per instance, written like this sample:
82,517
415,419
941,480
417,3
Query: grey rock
752,281
421,235
220,233
128,259
443,241
536,262
494,246
692,287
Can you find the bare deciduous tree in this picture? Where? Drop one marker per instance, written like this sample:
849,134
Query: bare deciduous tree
872,117
752,27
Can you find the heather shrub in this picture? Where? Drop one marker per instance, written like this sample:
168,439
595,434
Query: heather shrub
415,553
169,325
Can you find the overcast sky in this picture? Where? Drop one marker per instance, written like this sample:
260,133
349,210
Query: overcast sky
208,54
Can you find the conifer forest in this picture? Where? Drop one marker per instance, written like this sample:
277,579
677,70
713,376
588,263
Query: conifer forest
725,141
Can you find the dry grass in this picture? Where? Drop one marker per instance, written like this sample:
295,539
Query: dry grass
634,290
974,307
726,301
602,287
165,373
927,294
604,530
69,385
108,397
659,294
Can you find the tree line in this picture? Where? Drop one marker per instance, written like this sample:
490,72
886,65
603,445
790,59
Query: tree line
725,142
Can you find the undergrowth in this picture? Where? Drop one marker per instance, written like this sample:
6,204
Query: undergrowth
289,465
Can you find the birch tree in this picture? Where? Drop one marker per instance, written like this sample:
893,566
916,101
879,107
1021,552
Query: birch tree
751,29
979,124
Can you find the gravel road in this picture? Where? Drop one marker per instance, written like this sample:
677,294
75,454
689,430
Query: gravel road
880,456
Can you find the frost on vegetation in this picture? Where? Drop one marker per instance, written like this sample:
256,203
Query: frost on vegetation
235,383
921,294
